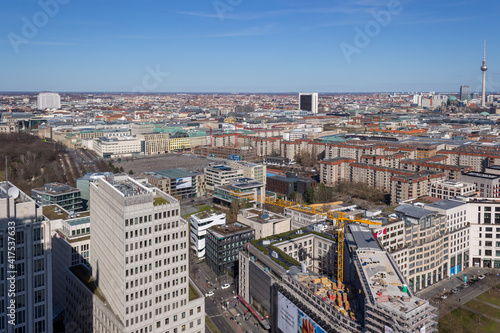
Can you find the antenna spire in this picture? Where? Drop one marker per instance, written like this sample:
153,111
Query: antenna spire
484,56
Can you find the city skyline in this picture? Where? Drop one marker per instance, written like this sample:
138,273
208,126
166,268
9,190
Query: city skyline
243,46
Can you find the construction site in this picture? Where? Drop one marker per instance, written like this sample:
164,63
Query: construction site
334,276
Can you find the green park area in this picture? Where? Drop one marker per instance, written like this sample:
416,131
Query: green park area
481,314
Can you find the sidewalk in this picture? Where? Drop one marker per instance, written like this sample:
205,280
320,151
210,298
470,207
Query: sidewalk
454,281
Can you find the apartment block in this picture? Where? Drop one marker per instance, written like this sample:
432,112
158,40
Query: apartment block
488,185
447,189
452,172
333,171
405,187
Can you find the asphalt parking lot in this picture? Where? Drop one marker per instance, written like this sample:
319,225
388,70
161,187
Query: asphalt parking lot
162,162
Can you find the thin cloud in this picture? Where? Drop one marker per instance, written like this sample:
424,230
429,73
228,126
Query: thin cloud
253,31
434,20
248,16
42,43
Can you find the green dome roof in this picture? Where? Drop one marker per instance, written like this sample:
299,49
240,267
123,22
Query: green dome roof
484,113
452,98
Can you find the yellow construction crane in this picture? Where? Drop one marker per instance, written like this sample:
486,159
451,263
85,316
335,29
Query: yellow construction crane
342,221
338,217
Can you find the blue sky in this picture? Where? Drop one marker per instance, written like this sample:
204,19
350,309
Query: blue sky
248,45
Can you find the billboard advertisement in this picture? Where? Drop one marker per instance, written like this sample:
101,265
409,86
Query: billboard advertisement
291,319
181,183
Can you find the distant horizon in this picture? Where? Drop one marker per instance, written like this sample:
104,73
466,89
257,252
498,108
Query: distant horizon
236,93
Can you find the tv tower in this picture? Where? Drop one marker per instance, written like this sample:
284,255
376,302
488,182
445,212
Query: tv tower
484,68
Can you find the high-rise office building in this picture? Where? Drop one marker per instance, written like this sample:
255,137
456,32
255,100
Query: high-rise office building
26,264
465,93
308,102
48,101
139,257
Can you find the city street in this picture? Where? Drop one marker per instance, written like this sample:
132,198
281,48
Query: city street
464,295
224,305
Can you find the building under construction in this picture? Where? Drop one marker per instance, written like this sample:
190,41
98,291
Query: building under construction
299,295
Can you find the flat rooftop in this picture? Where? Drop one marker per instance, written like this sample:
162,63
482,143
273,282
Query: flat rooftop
414,211
482,175
173,174
129,188
222,231
54,212
206,214
56,188
7,189
263,216
383,283
446,204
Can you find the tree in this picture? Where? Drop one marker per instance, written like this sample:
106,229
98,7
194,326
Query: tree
234,210
131,172
293,196
309,195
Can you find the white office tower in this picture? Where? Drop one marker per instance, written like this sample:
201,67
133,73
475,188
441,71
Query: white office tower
308,102
48,101
200,223
417,99
26,264
139,257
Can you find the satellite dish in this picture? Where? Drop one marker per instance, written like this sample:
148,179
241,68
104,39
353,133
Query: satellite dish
13,192
264,217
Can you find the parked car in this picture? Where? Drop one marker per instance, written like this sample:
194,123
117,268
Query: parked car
480,277
225,286
455,291
209,294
